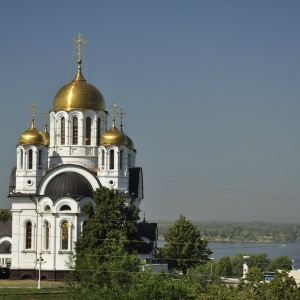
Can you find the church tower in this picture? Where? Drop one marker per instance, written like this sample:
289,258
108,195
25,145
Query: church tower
77,121
32,153
57,174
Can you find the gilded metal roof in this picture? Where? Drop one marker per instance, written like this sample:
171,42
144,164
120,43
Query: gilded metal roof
78,94
32,136
114,136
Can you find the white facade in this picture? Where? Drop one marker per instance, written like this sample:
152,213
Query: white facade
54,180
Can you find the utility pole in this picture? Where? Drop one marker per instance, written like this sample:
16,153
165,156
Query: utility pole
211,266
40,261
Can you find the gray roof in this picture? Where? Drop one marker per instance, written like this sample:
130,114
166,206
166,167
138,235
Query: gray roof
69,184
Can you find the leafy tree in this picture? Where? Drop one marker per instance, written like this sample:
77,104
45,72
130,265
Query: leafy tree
237,265
283,287
184,246
110,217
105,254
160,286
5,215
280,263
260,260
224,266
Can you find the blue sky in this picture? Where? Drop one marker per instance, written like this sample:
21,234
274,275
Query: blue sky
210,89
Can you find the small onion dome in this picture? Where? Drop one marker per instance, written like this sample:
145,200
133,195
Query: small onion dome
47,136
78,94
113,136
32,136
130,143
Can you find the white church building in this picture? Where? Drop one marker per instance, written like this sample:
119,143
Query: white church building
57,173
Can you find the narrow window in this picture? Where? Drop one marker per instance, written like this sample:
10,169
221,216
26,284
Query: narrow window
28,235
21,158
62,131
30,159
65,235
75,131
40,159
121,159
47,234
98,131
102,158
111,159
88,131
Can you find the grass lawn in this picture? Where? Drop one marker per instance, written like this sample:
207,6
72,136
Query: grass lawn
27,290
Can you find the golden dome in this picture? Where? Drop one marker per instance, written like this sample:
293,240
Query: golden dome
130,143
32,136
113,136
78,94
47,136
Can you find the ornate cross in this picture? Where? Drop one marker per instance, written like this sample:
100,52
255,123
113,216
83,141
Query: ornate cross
121,113
33,107
45,113
79,42
113,109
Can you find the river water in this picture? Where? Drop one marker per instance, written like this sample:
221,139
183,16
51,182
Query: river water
272,249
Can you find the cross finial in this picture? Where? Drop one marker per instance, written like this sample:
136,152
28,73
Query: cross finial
79,42
45,113
113,109
121,113
33,107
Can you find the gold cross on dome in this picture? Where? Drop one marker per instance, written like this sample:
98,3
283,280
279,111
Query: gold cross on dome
79,42
45,113
113,109
121,113
33,107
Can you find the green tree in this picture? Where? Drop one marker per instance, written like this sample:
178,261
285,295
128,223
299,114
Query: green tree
105,254
5,215
184,246
283,287
280,263
160,286
224,266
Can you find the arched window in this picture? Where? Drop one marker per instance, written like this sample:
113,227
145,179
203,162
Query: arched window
65,208
62,131
75,131
40,159
98,131
121,159
111,159
28,235
21,159
88,129
47,235
65,235
102,158
47,208
30,158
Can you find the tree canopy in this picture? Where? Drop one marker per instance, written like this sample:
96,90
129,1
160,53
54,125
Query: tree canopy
184,248
5,215
105,254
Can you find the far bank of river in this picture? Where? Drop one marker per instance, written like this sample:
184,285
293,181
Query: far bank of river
272,249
